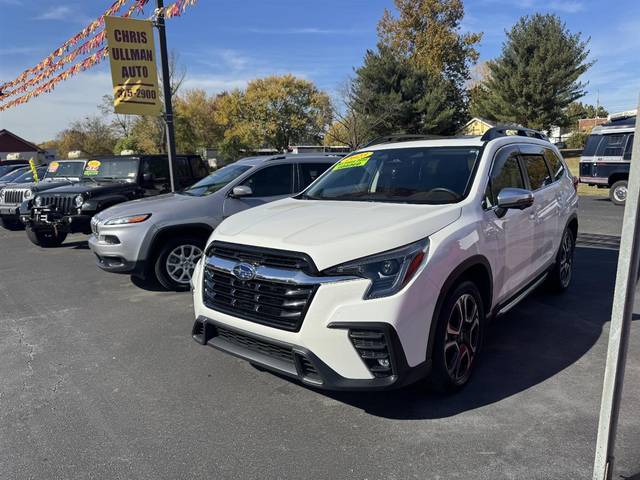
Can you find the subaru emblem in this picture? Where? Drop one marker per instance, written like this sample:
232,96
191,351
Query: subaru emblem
244,271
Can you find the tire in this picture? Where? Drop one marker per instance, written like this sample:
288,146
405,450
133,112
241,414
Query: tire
559,278
182,251
618,192
45,238
459,337
13,225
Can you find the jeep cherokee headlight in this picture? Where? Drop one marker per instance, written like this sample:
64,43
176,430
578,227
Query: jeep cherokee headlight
388,271
28,194
79,200
127,220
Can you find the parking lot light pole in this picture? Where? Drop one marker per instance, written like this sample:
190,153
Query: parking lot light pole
166,86
621,316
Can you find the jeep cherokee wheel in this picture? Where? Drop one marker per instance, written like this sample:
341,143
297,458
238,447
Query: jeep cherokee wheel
45,238
560,277
459,335
177,260
618,192
11,224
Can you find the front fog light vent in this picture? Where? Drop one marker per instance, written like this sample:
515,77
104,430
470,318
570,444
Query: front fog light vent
373,349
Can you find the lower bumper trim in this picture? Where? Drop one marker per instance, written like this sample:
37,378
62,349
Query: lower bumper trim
299,362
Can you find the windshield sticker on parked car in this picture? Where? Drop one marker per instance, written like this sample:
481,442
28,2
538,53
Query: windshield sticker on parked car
357,160
53,167
92,168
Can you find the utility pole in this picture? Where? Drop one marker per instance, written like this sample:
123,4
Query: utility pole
166,86
621,315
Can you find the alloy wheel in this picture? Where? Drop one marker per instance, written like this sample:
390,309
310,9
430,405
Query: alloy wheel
566,259
462,338
181,262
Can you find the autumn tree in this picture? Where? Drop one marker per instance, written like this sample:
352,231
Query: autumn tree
428,33
349,126
395,96
93,135
197,125
536,77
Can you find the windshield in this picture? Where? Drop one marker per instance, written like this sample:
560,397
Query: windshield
404,175
64,169
13,175
4,169
215,181
112,169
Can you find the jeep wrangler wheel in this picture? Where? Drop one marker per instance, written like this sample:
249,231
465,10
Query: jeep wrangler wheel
618,192
13,225
458,341
45,238
559,277
176,261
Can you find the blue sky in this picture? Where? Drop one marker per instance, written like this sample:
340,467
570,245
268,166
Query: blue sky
225,43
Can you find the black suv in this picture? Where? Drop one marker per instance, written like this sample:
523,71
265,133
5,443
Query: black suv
106,181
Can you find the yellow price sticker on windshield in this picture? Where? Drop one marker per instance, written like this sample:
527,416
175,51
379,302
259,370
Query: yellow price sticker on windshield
357,160
53,167
92,168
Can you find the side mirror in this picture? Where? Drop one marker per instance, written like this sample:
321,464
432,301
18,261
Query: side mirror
241,191
513,198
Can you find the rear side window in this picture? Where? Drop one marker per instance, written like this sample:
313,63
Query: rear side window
200,170
158,167
506,173
612,145
591,146
556,165
272,181
627,150
537,171
310,171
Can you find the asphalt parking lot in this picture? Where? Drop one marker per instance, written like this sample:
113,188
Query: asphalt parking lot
100,379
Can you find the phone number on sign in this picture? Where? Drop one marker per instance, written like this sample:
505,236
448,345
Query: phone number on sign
124,93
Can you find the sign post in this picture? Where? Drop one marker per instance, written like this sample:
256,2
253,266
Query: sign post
621,315
166,86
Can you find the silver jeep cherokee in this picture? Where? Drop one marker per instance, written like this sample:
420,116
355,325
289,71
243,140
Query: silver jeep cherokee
165,235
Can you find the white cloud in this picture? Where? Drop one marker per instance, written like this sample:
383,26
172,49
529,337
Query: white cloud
306,31
19,50
61,12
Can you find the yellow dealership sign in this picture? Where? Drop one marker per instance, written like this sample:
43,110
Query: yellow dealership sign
132,56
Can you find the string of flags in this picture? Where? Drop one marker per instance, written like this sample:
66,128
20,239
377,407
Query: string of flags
44,70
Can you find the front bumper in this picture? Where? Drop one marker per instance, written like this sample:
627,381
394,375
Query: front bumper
301,363
45,219
119,249
10,212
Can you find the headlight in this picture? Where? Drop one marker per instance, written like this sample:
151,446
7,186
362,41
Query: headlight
79,201
388,271
28,195
128,220
38,201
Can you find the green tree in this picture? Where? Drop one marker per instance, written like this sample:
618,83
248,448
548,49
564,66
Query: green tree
536,76
578,110
428,33
286,110
395,96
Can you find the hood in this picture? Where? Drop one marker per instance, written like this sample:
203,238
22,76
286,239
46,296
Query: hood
333,232
40,186
158,205
94,189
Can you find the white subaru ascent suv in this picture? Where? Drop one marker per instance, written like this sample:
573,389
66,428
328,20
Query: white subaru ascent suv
386,270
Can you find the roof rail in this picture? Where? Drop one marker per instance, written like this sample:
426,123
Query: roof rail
505,131
305,154
401,138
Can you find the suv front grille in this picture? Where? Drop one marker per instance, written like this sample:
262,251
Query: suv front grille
262,256
62,203
13,196
275,304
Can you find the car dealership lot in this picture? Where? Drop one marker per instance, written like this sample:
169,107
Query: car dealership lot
99,378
